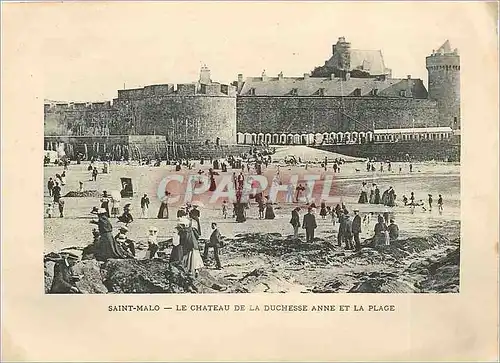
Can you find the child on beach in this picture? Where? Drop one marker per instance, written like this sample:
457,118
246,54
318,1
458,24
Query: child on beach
49,210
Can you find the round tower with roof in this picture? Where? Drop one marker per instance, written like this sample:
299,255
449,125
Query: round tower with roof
443,67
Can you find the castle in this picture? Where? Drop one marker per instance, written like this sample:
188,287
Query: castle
345,100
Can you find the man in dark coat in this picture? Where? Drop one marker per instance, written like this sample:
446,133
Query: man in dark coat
309,224
356,229
50,186
215,242
295,222
347,233
64,281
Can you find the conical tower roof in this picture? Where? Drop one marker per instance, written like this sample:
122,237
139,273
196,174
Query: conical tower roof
445,48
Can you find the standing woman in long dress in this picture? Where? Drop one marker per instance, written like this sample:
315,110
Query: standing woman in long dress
269,209
363,198
105,202
191,259
163,211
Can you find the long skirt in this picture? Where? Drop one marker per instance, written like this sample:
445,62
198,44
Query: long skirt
163,211
363,198
269,213
108,248
213,186
192,261
372,197
176,254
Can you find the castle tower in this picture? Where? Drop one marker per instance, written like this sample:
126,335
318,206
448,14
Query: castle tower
341,53
205,75
443,67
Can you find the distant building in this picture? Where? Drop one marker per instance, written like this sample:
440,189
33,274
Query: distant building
352,93
343,101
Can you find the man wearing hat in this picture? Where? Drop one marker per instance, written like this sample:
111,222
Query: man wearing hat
64,281
347,231
356,229
195,214
309,224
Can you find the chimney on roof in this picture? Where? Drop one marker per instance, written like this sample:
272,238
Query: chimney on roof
408,76
306,75
280,76
264,76
332,76
239,84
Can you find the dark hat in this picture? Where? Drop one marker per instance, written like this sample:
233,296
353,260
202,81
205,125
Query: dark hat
94,210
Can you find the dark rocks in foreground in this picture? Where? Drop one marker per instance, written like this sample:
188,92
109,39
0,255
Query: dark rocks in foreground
395,274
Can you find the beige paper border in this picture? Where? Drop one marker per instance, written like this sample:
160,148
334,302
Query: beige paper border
68,328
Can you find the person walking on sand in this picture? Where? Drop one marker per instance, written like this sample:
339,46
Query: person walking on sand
440,204
50,186
144,206
56,192
430,202
309,224
105,202
322,211
224,209
214,242
347,231
356,229
295,222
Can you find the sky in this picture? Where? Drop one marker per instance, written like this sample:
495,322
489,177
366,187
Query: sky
89,51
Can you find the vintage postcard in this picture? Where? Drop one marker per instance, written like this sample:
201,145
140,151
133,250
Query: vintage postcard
235,170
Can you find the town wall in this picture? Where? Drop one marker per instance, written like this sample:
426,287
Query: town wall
264,114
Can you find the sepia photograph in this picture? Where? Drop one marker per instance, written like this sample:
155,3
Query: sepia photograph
339,176
249,181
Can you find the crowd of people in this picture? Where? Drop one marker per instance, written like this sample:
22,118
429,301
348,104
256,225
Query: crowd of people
185,244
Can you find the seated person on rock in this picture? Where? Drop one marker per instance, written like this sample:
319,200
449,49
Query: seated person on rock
64,280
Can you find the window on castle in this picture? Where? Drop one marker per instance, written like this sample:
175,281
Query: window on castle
294,92
357,92
252,92
402,93
375,92
321,92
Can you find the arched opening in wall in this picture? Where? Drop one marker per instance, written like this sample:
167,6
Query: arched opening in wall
247,138
318,138
347,137
310,139
441,137
333,138
254,138
362,137
282,139
324,138
296,139
240,138
355,137
260,138
369,136
276,138
289,139
268,138
340,137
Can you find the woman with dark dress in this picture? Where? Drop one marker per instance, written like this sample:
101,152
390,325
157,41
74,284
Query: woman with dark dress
376,197
105,202
107,247
380,230
213,186
363,198
269,210
323,212
177,253
371,200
